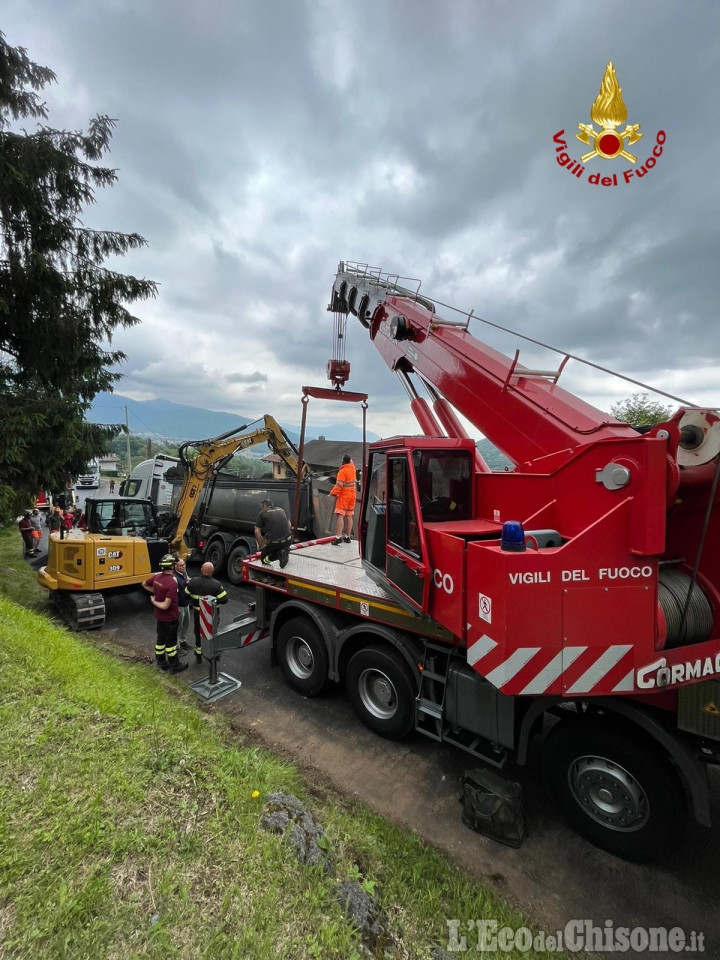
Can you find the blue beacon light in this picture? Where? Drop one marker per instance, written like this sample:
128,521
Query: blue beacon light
513,537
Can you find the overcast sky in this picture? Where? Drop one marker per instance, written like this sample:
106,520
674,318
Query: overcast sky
259,142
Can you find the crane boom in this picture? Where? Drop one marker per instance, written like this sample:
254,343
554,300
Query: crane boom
210,457
523,412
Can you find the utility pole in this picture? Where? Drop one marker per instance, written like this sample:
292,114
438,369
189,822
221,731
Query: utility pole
127,439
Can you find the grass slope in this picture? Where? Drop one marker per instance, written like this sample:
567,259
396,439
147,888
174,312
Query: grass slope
129,822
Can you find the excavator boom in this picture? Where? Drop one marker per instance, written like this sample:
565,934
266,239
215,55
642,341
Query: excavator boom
209,459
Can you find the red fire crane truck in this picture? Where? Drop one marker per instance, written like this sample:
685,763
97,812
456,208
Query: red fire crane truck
581,588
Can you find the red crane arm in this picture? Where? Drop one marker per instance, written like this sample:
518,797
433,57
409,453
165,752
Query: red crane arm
523,412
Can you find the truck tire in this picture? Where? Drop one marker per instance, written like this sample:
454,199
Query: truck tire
382,691
615,788
235,562
302,655
215,554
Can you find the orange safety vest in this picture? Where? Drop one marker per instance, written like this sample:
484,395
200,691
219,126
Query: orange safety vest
345,487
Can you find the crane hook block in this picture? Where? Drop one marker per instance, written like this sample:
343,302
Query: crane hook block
338,372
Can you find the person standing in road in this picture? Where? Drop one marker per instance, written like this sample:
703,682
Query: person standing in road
112,486
26,532
181,578
345,490
203,586
55,523
36,521
273,533
68,519
164,599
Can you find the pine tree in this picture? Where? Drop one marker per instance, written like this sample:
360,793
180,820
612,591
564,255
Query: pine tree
59,306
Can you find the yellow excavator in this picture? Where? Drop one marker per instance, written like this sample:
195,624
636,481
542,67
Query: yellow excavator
123,543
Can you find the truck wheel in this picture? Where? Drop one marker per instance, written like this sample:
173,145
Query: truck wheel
615,789
302,656
382,691
215,553
235,563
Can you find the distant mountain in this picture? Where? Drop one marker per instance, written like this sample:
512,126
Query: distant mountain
164,420
167,421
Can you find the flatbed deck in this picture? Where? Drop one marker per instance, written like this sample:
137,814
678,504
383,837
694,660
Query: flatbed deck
335,576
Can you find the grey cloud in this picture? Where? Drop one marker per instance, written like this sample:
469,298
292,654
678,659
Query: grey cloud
255,377
258,144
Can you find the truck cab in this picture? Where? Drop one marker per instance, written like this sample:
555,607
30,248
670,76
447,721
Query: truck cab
91,478
418,510
150,480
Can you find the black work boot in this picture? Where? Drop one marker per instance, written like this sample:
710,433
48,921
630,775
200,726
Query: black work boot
177,666
162,662
198,659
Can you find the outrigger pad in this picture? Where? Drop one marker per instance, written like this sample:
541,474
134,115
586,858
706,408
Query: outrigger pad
492,806
209,690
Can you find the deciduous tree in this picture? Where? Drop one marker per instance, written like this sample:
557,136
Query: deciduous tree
640,410
59,304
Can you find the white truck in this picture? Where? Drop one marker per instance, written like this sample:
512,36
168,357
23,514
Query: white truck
149,481
91,478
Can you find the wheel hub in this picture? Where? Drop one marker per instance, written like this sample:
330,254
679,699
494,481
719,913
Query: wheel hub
378,694
300,658
608,793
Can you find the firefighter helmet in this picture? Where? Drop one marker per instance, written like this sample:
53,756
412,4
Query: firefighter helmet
167,562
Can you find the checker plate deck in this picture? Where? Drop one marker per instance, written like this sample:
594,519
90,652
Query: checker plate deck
335,577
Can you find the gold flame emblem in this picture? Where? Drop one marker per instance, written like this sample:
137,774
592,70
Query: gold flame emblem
608,112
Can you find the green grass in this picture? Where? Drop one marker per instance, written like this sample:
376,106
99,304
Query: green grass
128,825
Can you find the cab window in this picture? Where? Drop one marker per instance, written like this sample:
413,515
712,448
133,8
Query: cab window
137,515
402,518
444,480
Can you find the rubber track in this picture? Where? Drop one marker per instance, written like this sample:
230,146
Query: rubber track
82,611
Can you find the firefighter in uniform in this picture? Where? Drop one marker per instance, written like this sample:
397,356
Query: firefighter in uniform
164,598
203,586
273,533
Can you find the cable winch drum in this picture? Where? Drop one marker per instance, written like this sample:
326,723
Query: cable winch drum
673,588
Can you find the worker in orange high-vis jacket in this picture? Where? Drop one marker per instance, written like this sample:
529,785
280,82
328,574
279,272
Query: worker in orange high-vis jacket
345,490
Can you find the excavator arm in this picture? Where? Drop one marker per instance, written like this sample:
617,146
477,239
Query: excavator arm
211,455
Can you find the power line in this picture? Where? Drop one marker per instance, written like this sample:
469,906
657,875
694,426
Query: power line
117,406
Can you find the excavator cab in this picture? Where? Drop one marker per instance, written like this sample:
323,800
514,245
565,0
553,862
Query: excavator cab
121,517
412,483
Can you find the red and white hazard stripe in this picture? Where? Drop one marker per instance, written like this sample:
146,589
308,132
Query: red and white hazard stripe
311,543
297,546
254,637
572,671
206,611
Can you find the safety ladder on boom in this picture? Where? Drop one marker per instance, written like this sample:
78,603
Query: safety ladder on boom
430,718
549,376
